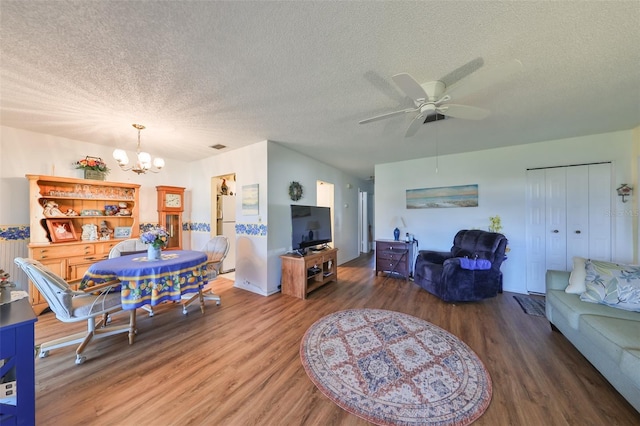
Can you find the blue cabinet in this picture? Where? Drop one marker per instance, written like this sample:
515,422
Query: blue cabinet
17,344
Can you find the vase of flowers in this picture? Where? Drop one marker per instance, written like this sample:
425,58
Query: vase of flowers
495,224
156,238
93,167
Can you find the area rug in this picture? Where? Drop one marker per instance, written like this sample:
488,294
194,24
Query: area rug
391,368
530,305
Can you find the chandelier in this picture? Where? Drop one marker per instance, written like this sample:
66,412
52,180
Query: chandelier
143,159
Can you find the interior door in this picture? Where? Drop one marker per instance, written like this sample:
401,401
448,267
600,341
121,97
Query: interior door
567,215
363,223
556,218
535,231
577,214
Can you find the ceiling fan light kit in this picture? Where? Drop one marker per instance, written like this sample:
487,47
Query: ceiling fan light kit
431,99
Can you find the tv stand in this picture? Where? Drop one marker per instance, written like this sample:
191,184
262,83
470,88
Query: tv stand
302,275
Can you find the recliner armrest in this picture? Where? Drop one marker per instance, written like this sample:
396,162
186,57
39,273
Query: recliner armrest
434,256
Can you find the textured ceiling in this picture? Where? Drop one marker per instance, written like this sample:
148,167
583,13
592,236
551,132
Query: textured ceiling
199,73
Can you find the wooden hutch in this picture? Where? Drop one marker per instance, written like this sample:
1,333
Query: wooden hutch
59,210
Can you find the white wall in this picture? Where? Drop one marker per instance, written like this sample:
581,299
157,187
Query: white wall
286,166
250,167
258,265
501,176
268,235
25,152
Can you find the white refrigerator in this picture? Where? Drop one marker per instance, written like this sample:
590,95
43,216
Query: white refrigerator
226,225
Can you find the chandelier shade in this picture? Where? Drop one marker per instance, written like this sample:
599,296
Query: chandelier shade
143,164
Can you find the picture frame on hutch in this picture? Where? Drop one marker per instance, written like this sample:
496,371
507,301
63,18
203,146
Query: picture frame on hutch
61,230
122,232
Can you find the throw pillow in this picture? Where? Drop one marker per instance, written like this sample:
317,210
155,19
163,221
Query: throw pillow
578,276
612,284
475,264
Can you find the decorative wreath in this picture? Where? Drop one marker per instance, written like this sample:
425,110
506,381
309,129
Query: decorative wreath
295,191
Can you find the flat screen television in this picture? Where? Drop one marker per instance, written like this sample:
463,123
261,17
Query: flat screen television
310,226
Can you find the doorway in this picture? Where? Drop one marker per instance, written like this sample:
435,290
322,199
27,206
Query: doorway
325,198
223,215
364,229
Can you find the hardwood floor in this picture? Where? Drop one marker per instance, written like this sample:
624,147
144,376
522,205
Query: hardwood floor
239,363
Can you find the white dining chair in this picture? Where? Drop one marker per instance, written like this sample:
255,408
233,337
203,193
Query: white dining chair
73,306
216,249
130,246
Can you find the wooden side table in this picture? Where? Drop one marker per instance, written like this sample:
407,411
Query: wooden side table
301,275
394,258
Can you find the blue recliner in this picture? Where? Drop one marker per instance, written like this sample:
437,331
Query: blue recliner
469,272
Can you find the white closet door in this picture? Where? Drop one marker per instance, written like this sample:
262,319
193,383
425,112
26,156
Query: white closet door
568,214
600,211
578,203
536,231
556,218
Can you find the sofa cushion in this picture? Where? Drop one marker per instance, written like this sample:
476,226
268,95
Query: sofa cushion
612,284
611,335
577,279
630,365
571,307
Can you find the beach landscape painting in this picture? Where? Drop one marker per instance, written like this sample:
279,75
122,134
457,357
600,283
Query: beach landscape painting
250,200
443,197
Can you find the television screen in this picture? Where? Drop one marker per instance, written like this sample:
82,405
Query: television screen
310,226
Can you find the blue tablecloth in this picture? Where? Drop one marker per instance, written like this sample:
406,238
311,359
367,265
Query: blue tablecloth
145,282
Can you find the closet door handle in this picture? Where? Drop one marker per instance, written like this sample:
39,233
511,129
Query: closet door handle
555,231
578,232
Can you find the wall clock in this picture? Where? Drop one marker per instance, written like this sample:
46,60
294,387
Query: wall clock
170,208
295,191
172,200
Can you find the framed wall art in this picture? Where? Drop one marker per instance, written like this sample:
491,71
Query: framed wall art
122,232
61,230
443,197
250,200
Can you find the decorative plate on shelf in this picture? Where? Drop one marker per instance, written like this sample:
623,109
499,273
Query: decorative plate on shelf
295,191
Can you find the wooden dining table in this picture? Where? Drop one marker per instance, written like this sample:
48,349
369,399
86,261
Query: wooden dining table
150,282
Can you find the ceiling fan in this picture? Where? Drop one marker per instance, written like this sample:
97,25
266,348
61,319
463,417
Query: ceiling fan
432,98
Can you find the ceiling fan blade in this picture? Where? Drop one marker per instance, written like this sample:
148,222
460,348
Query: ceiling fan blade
410,86
415,125
387,115
464,111
483,78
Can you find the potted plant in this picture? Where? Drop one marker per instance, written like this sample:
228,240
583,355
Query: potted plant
93,167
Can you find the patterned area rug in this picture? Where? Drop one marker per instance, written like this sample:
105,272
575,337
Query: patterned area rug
394,369
531,306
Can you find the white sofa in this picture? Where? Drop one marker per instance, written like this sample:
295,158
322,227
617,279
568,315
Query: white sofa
608,337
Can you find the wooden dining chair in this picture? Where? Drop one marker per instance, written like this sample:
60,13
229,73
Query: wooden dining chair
216,249
73,306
